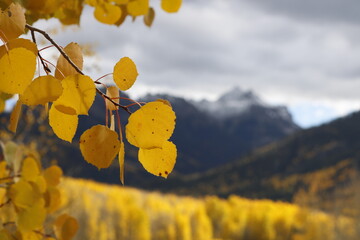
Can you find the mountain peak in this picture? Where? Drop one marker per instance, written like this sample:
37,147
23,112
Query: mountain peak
239,95
233,102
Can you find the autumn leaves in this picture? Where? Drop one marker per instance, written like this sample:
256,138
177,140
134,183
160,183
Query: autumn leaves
27,195
70,93
114,12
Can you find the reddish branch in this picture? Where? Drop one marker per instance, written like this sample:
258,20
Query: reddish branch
46,69
63,53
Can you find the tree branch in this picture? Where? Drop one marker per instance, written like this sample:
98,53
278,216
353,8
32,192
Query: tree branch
63,53
46,69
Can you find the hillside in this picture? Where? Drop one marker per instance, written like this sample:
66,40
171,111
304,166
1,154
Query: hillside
109,212
316,166
211,133
204,140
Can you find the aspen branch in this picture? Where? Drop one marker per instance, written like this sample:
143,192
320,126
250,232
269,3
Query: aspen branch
67,58
46,69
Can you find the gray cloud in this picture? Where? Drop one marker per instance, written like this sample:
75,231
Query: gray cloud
310,10
289,52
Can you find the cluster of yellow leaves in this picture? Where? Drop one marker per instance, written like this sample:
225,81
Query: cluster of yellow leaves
111,12
149,129
114,12
27,197
70,94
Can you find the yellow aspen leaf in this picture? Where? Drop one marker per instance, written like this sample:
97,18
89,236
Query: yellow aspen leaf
69,12
4,4
149,17
159,161
121,1
14,117
42,90
123,16
138,7
78,95
66,227
151,125
92,3
2,105
22,194
34,5
171,6
31,235
5,235
5,96
4,172
166,102
3,169
99,146
30,169
17,70
122,162
114,93
53,175
19,43
125,73
42,6
40,184
63,67
107,13
63,125
112,122
12,22
31,218
2,195
52,199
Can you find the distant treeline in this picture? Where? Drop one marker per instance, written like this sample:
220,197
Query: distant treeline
108,212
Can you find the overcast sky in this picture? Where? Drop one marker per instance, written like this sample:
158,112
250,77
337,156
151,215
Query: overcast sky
303,54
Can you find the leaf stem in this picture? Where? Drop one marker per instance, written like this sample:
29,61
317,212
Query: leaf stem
97,80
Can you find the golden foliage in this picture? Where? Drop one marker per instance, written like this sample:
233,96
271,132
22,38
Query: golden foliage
63,67
99,145
151,125
42,90
70,93
125,73
27,195
132,214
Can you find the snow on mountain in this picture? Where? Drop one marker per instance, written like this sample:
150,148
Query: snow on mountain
231,103
238,101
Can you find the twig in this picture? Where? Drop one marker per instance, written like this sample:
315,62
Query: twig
7,202
115,103
33,29
8,223
46,35
46,68
44,235
10,177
